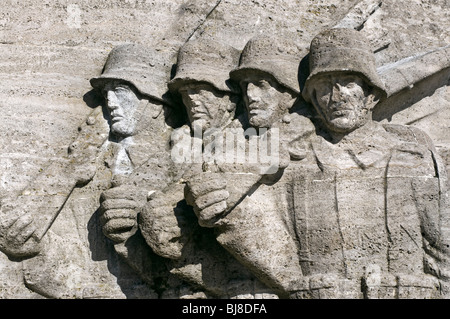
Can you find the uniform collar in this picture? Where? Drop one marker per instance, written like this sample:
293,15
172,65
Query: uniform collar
365,147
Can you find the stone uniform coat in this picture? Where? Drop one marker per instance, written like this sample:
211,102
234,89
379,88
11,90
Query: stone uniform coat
370,211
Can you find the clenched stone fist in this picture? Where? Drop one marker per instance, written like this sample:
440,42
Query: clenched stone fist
208,195
119,208
16,235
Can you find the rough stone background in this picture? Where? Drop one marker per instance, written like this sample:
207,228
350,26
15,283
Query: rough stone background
49,49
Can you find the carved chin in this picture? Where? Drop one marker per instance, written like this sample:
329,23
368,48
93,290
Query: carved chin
259,121
256,122
342,124
345,124
121,129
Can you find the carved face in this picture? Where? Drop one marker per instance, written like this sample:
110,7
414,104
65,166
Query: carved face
206,106
343,101
122,103
266,102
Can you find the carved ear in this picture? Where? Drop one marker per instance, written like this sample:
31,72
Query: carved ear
232,104
231,107
288,100
372,99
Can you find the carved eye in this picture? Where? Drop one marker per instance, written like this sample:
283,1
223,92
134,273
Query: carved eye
351,85
120,89
263,84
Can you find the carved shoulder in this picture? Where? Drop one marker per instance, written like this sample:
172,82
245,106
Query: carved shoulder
410,134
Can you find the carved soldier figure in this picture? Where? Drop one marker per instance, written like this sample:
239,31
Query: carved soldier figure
368,199
268,76
133,86
210,100
203,82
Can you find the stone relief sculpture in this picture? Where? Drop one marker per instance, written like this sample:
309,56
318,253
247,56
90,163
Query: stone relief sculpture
351,227
134,103
27,217
267,75
135,180
345,207
211,103
395,243
126,162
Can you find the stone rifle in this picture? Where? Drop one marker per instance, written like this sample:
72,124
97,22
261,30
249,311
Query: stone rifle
46,195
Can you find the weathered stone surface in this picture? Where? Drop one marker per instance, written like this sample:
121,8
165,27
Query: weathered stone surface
90,210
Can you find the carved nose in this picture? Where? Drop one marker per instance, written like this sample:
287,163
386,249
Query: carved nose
336,94
252,93
197,103
111,100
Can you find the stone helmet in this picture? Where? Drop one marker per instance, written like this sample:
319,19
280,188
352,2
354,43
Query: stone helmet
205,60
342,50
277,57
142,67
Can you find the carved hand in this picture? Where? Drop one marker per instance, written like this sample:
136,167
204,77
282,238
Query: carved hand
208,195
325,286
16,235
401,285
119,208
167,222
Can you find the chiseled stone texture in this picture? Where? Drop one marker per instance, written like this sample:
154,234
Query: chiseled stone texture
49,50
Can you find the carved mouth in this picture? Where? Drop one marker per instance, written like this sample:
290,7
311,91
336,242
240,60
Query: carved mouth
256,107
253,107
116,119
199,115
340,113
340,110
